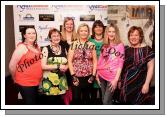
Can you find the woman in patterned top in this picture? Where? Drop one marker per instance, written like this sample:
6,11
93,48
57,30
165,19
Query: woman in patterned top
82,61
138,69
54,64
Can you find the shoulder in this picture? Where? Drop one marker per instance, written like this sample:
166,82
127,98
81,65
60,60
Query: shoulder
149,49
91,43
21,48
91,39
64,43
121,45
75,42
44,48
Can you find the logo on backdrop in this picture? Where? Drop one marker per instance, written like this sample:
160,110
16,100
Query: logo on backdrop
32,7
97,7
28,16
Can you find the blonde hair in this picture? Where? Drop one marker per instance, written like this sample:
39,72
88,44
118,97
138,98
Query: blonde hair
63,32
79,27
117,39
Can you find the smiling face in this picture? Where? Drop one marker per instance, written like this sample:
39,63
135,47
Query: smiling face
111,34
83,32
98,30
69,26
30,35
135,38
55,38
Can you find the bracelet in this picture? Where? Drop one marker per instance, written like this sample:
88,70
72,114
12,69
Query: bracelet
73,75
58,66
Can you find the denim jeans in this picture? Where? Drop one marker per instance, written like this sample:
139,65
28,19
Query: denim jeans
107,95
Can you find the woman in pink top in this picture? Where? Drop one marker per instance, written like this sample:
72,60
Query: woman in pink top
110,63
25,66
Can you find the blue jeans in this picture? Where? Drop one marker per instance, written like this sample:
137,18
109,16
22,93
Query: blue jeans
107,95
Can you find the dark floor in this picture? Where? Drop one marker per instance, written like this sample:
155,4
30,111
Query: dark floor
11,95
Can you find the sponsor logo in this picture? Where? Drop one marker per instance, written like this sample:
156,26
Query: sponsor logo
46,17
28,17
97,7
32,7
44,27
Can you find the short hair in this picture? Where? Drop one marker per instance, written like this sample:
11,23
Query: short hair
51,31
139,29
79,27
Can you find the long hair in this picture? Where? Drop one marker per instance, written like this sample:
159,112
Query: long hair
24,32
74,35
79,27
97,23
117,39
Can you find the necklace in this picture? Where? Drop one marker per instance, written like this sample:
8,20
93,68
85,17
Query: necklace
56,49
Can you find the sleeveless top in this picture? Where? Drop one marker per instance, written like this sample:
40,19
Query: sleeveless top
54,82
83,61
29,70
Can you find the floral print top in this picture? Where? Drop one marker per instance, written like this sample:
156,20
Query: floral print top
54,82
83,62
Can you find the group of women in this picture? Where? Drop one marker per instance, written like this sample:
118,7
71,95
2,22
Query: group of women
76,68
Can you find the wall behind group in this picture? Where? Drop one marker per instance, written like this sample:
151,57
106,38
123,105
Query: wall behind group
9,36
19,16
45,17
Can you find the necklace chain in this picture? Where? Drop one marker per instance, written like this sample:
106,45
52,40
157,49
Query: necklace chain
55,49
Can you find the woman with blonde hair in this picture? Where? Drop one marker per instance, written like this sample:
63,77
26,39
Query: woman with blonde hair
110,63
68,30
68,36
82,61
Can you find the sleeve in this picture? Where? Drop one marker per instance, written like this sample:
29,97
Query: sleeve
150,54
121,50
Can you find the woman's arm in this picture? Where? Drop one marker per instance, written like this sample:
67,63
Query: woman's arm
17,54
70,59
120,65
150,72
94,62
45,66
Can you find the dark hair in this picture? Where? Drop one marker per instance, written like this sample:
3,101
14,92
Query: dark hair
52,31
97,23
139,29
24,32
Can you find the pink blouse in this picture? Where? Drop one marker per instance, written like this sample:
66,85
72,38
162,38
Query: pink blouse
111,58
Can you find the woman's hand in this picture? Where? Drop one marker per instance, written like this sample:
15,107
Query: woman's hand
75,80
145,89
113,85
91,79
63,68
